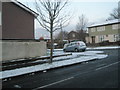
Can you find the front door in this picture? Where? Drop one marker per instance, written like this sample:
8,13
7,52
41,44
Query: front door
93,39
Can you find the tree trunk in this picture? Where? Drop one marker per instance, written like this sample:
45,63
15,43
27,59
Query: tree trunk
51,49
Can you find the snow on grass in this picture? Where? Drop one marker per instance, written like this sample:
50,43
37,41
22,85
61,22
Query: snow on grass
76,57
88,55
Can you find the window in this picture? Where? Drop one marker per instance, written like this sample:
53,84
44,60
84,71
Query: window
101,38
73,35
102,28
115,26
116,37
92,29
72,44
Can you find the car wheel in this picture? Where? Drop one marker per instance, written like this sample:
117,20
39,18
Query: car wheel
76,50
64,50
83,50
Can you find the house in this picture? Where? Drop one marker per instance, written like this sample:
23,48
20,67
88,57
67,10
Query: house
77,35
73,35
0,20
17,28
106,31
17,21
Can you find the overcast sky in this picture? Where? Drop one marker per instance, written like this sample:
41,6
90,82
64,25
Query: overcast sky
94,10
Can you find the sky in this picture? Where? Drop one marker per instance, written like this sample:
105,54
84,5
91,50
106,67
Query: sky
94,11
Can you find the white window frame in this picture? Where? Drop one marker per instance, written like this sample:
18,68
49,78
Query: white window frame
101,38
116,37
102,28
115,26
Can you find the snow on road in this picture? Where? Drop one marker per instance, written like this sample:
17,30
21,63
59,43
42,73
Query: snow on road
76,57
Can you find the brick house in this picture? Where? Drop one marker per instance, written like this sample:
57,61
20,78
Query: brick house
106,31
0,20
17,21
80,35
17,32
73,35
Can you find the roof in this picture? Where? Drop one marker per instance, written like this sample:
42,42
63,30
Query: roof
72,32
24,7
105,23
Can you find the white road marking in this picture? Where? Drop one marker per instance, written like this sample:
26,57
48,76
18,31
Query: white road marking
75,75
101,65
107,66
53,83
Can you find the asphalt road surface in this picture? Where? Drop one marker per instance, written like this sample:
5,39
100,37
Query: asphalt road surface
103,73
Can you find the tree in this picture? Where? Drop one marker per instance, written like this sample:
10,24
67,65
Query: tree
60,37
82,23
115,14
81,27
49,17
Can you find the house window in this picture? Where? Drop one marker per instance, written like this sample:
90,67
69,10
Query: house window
102,28
117,37
92,29
115,26
73,35
101,38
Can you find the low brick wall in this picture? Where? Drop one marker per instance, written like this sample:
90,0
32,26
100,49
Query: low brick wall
22,49
105,43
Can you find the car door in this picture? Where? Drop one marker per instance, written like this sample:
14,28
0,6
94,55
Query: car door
72,48
68,47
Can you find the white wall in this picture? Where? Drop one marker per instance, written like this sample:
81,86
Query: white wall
17,50
111,38
96,39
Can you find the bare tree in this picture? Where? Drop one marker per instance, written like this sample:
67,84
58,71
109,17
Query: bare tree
82,23
115,14
49,17
62,35
82,26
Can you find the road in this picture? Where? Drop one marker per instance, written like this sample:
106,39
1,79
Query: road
94,74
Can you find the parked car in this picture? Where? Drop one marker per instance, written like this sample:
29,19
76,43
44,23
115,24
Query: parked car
75,46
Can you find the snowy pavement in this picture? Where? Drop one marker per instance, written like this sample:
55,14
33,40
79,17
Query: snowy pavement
76,57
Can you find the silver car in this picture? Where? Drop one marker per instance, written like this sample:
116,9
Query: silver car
75,46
